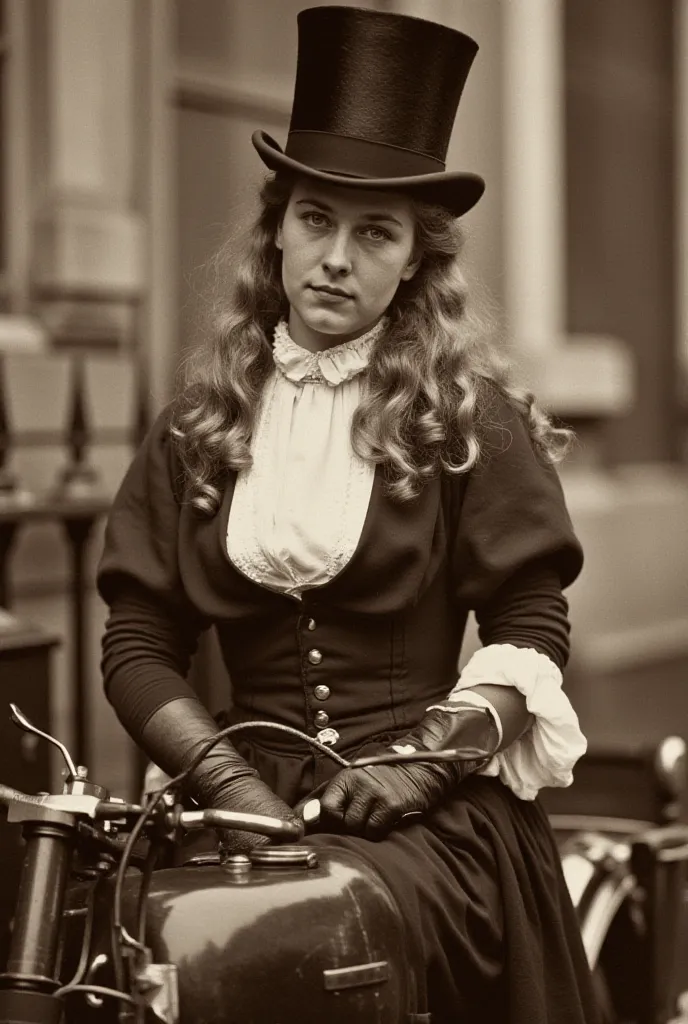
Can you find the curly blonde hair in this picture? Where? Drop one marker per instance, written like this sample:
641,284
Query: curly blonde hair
428,382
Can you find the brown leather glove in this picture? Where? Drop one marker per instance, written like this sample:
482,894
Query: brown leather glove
370,801
173,737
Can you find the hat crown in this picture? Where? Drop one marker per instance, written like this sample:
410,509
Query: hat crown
375,99
389,79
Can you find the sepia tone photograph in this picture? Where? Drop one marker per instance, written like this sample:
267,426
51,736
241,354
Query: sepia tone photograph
343,512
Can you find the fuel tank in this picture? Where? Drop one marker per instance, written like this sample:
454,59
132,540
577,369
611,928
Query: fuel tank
293,934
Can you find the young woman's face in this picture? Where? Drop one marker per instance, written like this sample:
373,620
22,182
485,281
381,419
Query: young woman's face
344,252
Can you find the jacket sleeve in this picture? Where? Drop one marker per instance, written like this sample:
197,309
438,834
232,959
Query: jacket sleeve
528,610
152,629
515,551
509,512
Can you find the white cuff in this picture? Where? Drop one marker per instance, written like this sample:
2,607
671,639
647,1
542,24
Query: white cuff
546,754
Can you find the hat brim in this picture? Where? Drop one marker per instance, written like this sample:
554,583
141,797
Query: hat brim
456,191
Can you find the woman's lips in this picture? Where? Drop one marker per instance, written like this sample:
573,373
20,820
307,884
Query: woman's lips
331,296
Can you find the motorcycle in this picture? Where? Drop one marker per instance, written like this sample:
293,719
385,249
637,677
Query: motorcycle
284,933
287,932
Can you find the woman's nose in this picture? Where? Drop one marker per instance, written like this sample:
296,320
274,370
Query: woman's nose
337,258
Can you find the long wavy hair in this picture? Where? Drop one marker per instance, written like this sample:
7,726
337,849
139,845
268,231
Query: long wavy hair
429,382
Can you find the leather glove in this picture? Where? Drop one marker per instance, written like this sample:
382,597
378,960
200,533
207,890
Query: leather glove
172,738
370,801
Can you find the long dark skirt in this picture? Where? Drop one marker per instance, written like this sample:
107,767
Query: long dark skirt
480,886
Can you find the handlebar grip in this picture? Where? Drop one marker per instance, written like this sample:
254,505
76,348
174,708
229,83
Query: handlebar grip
262,824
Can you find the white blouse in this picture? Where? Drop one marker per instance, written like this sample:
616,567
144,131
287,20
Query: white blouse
297,515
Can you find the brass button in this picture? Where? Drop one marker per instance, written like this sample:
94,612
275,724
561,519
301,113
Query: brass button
322,692
321,719
311,624
314,656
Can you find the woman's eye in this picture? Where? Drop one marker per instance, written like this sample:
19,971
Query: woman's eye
316,220
376,234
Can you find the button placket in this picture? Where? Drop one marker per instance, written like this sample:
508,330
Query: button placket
326,734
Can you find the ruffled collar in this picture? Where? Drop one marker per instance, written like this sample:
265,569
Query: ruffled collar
333,366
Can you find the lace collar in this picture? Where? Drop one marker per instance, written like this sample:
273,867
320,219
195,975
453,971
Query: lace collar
333,366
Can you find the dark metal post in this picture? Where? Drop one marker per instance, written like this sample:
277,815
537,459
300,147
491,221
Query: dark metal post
78,479
79,530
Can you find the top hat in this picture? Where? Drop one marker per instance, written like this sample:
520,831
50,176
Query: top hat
374,105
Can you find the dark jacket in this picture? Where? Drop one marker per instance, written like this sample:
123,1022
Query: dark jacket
384,635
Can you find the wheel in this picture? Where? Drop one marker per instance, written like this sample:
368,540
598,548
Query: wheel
605,895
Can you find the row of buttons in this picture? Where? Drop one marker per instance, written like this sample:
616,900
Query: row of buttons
321,692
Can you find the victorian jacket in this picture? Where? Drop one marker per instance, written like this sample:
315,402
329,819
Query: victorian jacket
388,628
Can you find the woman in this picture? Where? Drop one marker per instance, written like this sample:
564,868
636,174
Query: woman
345,475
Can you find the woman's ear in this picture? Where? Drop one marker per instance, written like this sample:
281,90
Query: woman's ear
278,236
412,265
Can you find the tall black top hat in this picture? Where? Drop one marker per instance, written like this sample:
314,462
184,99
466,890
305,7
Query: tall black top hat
374,105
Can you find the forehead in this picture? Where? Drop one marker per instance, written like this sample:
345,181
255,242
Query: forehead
353,202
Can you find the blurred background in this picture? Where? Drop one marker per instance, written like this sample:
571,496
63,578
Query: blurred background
125,160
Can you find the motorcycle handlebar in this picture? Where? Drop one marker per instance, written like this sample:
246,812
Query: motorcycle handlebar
191,821
9,796
25,807
260,823
112,810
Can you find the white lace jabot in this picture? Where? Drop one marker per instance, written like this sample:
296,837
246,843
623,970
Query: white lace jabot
333,366
297,513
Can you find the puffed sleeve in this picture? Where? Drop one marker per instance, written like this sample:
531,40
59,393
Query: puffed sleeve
509,511
142,529
515,551
152,629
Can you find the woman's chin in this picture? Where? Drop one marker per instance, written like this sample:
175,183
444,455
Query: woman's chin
328,321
